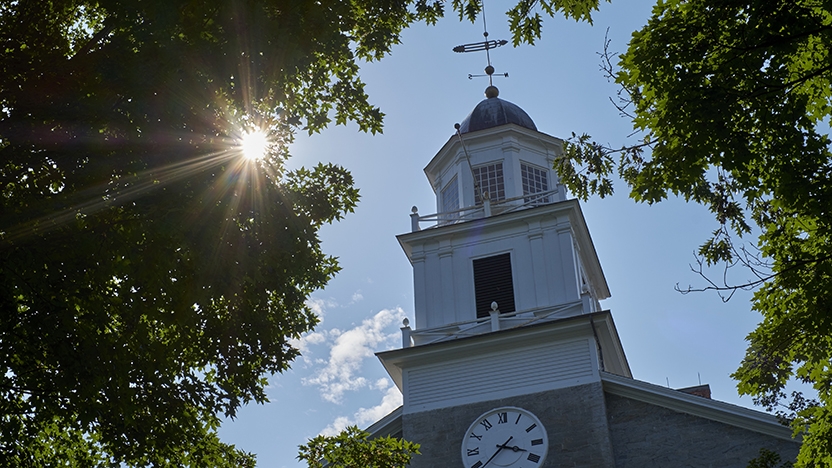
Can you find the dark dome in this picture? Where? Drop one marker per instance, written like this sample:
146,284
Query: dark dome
493,112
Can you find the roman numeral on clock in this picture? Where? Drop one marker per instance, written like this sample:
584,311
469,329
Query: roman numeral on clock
534,458
537,441
474,436
477,465
473,451
487,425
502,418
529,429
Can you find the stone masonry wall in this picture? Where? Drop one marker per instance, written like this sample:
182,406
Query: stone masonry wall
574,417
647,436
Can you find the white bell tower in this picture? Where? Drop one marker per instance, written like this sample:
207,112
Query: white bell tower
512,362
504,231
507,289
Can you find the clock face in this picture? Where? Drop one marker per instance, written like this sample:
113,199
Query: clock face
505,437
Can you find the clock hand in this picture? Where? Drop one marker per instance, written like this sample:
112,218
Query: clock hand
513,447
498,451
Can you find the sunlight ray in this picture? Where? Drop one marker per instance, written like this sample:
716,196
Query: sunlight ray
100,197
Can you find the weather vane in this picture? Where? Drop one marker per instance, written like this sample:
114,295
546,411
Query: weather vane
485,45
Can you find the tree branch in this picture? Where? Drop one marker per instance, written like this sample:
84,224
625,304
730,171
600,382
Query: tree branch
95,39
743,259
608,69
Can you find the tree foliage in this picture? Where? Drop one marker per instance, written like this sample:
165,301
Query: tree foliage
353,448
150,277
732,99
525,18
769,459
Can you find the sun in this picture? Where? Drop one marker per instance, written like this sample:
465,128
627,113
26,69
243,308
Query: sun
254,145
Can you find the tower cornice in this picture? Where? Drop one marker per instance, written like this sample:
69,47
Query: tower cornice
473,230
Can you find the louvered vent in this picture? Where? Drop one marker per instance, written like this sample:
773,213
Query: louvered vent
492,283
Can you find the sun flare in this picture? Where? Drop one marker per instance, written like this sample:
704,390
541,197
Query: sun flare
254,144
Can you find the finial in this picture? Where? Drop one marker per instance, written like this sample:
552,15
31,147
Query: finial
405,322
414,219
492,92
494,306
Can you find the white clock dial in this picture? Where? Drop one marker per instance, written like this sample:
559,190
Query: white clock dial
505,437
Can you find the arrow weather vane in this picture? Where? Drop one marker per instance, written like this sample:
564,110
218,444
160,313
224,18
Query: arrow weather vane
485,45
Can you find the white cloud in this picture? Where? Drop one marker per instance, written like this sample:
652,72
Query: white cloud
307,340
381,384
315,338
319,306
357,297
362,418
348,351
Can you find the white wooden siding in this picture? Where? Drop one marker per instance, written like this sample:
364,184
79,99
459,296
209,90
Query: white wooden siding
498,375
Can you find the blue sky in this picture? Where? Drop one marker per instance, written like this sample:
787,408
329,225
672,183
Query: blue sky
423,88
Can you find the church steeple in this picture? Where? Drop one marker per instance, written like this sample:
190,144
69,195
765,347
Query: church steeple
504,232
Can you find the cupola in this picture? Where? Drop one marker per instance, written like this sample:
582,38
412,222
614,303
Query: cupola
497,152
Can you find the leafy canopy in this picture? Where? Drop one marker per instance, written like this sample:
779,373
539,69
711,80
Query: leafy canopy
150,276
733,101
352,448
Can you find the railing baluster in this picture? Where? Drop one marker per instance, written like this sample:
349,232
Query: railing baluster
475,212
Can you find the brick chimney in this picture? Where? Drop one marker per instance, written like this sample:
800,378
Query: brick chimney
703,391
